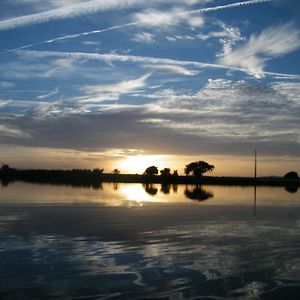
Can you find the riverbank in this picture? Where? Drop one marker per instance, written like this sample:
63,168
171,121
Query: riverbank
93,178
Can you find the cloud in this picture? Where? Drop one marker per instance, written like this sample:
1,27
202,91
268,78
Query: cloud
112,91
47,95
12,132
225,116
235,111
146,16
270,43
173,69
109,58
67,11
7,84
56,10
156,18
144,37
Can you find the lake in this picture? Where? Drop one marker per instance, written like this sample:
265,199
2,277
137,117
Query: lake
134,241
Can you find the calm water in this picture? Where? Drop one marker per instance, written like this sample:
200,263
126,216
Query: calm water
130,241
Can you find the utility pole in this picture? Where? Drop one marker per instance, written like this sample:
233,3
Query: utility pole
255,164
255,175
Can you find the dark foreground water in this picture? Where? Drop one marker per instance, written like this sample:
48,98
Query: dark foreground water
136,242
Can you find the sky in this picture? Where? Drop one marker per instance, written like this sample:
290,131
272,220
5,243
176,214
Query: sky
132,83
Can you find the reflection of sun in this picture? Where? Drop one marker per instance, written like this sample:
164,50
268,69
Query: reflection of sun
139,163
135,192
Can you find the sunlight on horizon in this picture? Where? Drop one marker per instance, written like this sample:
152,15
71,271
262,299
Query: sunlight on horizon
137,164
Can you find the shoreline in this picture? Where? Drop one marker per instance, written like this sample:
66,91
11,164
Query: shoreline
90,178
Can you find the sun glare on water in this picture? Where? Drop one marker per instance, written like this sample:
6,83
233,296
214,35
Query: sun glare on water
136,193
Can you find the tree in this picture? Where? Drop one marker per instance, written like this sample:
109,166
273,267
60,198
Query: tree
165,172
291,175
97,172
151,171
198,168
116,171
175,173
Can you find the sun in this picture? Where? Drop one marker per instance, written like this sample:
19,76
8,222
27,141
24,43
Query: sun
137,164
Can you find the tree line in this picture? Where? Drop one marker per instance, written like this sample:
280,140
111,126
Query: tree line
196,168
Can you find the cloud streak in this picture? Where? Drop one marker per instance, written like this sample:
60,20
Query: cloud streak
109,58
99,93
270,43
138,21
68,11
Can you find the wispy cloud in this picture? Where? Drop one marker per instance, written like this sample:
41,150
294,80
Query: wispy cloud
47,95
7,84
99,93
270,43
109,58
70,10
57,10
144,37
8,131
147,18
156,18
234,115
173,69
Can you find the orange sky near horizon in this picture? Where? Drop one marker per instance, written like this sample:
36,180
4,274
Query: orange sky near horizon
47,158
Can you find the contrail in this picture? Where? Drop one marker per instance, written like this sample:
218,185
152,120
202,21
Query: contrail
191,12
220,7
142,60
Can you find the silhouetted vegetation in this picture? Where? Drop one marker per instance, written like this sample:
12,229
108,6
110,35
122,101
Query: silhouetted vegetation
93,178
165,172
291,175
116,171
151,171
198,194
175,173
150,189
198,168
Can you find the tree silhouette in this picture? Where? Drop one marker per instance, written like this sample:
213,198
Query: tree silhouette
151,171
291,175
175,173
97,172
116,171
165,172
198,168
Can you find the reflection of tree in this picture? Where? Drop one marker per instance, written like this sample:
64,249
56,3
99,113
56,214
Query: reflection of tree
150,189
175,188
165,188
97,185
5,182
115,186
198,193
291,188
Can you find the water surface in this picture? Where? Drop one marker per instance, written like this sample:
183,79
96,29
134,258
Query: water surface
129,241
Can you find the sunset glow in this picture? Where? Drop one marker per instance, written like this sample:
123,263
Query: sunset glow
138,164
